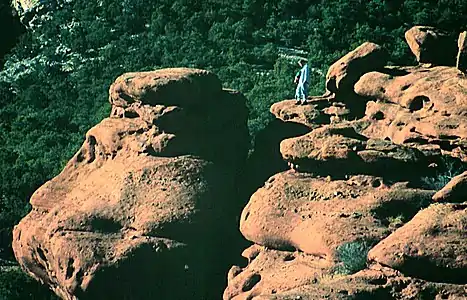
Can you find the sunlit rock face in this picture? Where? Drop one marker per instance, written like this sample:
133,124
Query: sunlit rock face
141,211
354,217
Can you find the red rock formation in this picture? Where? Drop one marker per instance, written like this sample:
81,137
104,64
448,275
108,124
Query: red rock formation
359,183
343,74
140,210
417,106
461,62
431,45
296,211
455,191
431,246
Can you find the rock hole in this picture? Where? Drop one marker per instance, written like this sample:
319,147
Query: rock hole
131,114
417,103
376,183
404,87
80,156
70,269
247,215
289,257
382,90
379,281
251,282
378,115
92,142
291,116
104,225
41,254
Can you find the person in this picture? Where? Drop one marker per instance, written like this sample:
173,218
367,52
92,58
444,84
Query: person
302,79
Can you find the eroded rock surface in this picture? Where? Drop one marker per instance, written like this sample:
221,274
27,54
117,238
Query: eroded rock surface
339,150
431,246
140,209
317,215
461,62
384,143
274,275
424,107
344,73
431,45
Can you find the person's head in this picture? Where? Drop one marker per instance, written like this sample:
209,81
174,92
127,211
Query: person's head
302,62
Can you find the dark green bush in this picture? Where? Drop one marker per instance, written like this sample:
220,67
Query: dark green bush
352,256
17,285
448,168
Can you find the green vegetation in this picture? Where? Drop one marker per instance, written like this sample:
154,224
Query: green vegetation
17,285
449,167
54,84
396,222
352,257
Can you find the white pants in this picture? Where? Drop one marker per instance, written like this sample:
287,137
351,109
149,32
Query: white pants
301,93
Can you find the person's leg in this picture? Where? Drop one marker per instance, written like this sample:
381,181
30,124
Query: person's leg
297,94
304,93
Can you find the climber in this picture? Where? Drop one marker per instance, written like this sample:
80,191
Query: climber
302,79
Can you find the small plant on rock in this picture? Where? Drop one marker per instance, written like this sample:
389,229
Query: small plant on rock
352,256
396,221
449,169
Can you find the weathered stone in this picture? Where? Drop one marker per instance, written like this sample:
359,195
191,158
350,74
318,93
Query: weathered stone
430,246
338,150
431,45
343,74
317,215
417,106
136,214
461,62
311,115
455,191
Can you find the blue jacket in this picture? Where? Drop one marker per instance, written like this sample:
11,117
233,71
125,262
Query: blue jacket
304,75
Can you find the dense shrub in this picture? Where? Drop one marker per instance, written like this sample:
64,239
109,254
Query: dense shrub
17,285
352,256
448,168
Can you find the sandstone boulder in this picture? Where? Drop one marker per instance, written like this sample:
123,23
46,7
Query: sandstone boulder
461,62
454,191
139,211
343,74
317,215
430,246
187,109
431,45
338,150
320,110
417,106
175,86
273,274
